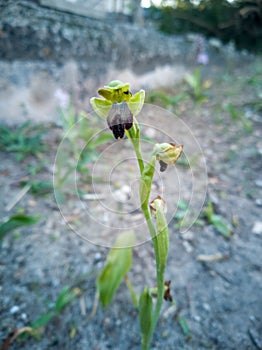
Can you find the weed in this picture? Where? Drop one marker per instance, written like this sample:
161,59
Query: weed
184,326
15,221
78,151
24,140
216,221
197,86
237,115
165,99
66,296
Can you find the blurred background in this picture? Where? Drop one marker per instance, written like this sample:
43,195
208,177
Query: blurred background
47,46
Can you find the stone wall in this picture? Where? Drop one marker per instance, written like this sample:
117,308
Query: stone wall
44,50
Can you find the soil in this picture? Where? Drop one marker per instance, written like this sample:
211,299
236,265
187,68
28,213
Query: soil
215,281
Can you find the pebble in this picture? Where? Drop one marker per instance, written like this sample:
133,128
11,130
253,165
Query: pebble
258,183
258,202
98,257
107,321
188,247
118,322
122,194
197,318
257,228
188,236
24,316
206,307
14,309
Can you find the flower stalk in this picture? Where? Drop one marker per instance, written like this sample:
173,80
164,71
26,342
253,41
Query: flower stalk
120,108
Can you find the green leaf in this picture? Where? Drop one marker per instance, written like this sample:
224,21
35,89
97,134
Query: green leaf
162,238
234,113
101,139
132,291
40,187
43,320
220,226
183,324
145,311
118,263
216,220
182,205
191,80
101,106
65,297
16,221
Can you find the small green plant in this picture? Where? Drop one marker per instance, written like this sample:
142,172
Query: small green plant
24,140
165,99
66,296
16,221
197,86
120,108
216,220
184,326
78,130
39,188
238,115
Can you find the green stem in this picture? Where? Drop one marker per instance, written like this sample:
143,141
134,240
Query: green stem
134,135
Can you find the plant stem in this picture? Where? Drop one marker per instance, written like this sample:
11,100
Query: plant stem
160,270
134,135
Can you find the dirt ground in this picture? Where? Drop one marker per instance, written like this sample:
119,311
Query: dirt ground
216,281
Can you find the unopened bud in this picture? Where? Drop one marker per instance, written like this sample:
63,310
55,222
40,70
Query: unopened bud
158,204
167,153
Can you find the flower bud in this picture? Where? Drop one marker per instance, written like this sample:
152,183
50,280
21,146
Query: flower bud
158,204
158,210
119,119
167,153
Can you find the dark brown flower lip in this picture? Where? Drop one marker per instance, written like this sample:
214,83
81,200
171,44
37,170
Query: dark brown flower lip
163,165
167,293
119,119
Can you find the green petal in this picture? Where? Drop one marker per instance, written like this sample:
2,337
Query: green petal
117,84
136,102
101,106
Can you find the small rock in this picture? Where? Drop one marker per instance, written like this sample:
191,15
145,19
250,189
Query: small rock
98,257
206,307
24,316
258,183
123,194
107,321
258,202
197,318
188,236
14,309
188,247
118,322
257,228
